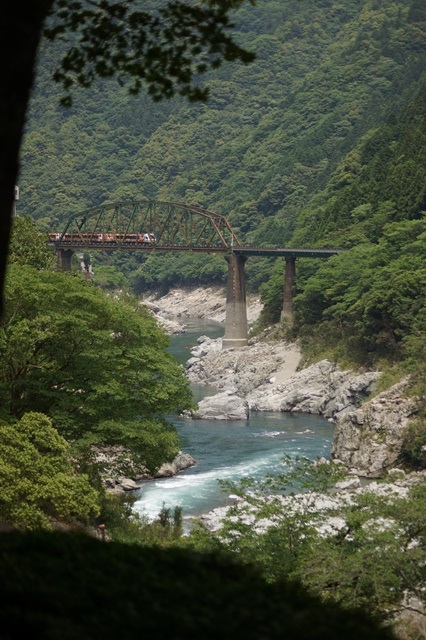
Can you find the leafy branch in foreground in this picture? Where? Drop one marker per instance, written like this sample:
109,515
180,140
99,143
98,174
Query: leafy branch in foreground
165,48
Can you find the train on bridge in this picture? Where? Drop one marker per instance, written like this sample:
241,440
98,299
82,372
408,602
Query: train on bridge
76,238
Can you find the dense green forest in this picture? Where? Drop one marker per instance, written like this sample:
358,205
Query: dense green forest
319,142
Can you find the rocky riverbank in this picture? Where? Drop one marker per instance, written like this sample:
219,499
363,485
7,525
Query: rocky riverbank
266,376
369,439
199,302
397,486
262,377
118,484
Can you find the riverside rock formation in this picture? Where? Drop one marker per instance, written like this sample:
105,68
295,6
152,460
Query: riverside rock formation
369,439
118,484
321,388
264,376
200,302
241,370
397,486
223,406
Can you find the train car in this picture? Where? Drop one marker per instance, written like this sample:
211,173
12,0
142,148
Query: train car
108,237
147,238
90,237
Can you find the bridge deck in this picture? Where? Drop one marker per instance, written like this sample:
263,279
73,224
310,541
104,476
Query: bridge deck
112,246
287,252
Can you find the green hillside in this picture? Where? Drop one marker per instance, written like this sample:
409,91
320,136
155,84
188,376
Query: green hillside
320,141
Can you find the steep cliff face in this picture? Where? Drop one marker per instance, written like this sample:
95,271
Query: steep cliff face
369,439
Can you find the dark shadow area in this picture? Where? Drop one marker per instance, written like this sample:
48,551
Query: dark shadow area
71,586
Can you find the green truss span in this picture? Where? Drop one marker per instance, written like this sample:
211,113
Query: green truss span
147,225
162,226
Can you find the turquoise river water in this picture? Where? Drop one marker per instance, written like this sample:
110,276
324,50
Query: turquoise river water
228,450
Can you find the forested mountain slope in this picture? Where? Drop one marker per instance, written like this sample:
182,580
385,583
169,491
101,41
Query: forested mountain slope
320,142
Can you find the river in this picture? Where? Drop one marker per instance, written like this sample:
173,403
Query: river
228,450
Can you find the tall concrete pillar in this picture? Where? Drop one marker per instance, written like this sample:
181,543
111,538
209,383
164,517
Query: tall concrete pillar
236,310
64,259
289,282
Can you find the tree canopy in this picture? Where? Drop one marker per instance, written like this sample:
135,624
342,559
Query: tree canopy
97,366
38,481
163,45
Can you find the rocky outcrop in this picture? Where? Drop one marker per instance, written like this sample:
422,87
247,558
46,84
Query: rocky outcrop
321,388
241,370
171,326
118,484
265,374
181,462
223,406
369,439
263,377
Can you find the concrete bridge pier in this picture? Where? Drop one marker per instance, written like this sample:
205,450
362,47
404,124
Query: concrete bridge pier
64,259
236,309
289,282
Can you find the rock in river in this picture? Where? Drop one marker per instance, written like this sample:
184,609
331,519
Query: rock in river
222,406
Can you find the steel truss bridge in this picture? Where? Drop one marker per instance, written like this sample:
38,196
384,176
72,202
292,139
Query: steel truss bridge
173,227
169,226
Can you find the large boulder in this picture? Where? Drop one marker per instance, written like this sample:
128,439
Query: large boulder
181,462
222,406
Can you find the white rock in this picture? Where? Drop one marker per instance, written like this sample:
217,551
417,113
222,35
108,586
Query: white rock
351,483
222,406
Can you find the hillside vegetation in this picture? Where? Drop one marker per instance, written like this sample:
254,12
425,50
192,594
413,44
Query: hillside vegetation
319,142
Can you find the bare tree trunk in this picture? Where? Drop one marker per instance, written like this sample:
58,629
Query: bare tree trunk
20,30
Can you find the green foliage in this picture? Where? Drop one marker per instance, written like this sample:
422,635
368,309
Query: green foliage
38,482
162,48
124,524
319,141
118,590
166,530
96,365
377,558
413,453
272,293
108,277
367,551
368,300
28,246
159,273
